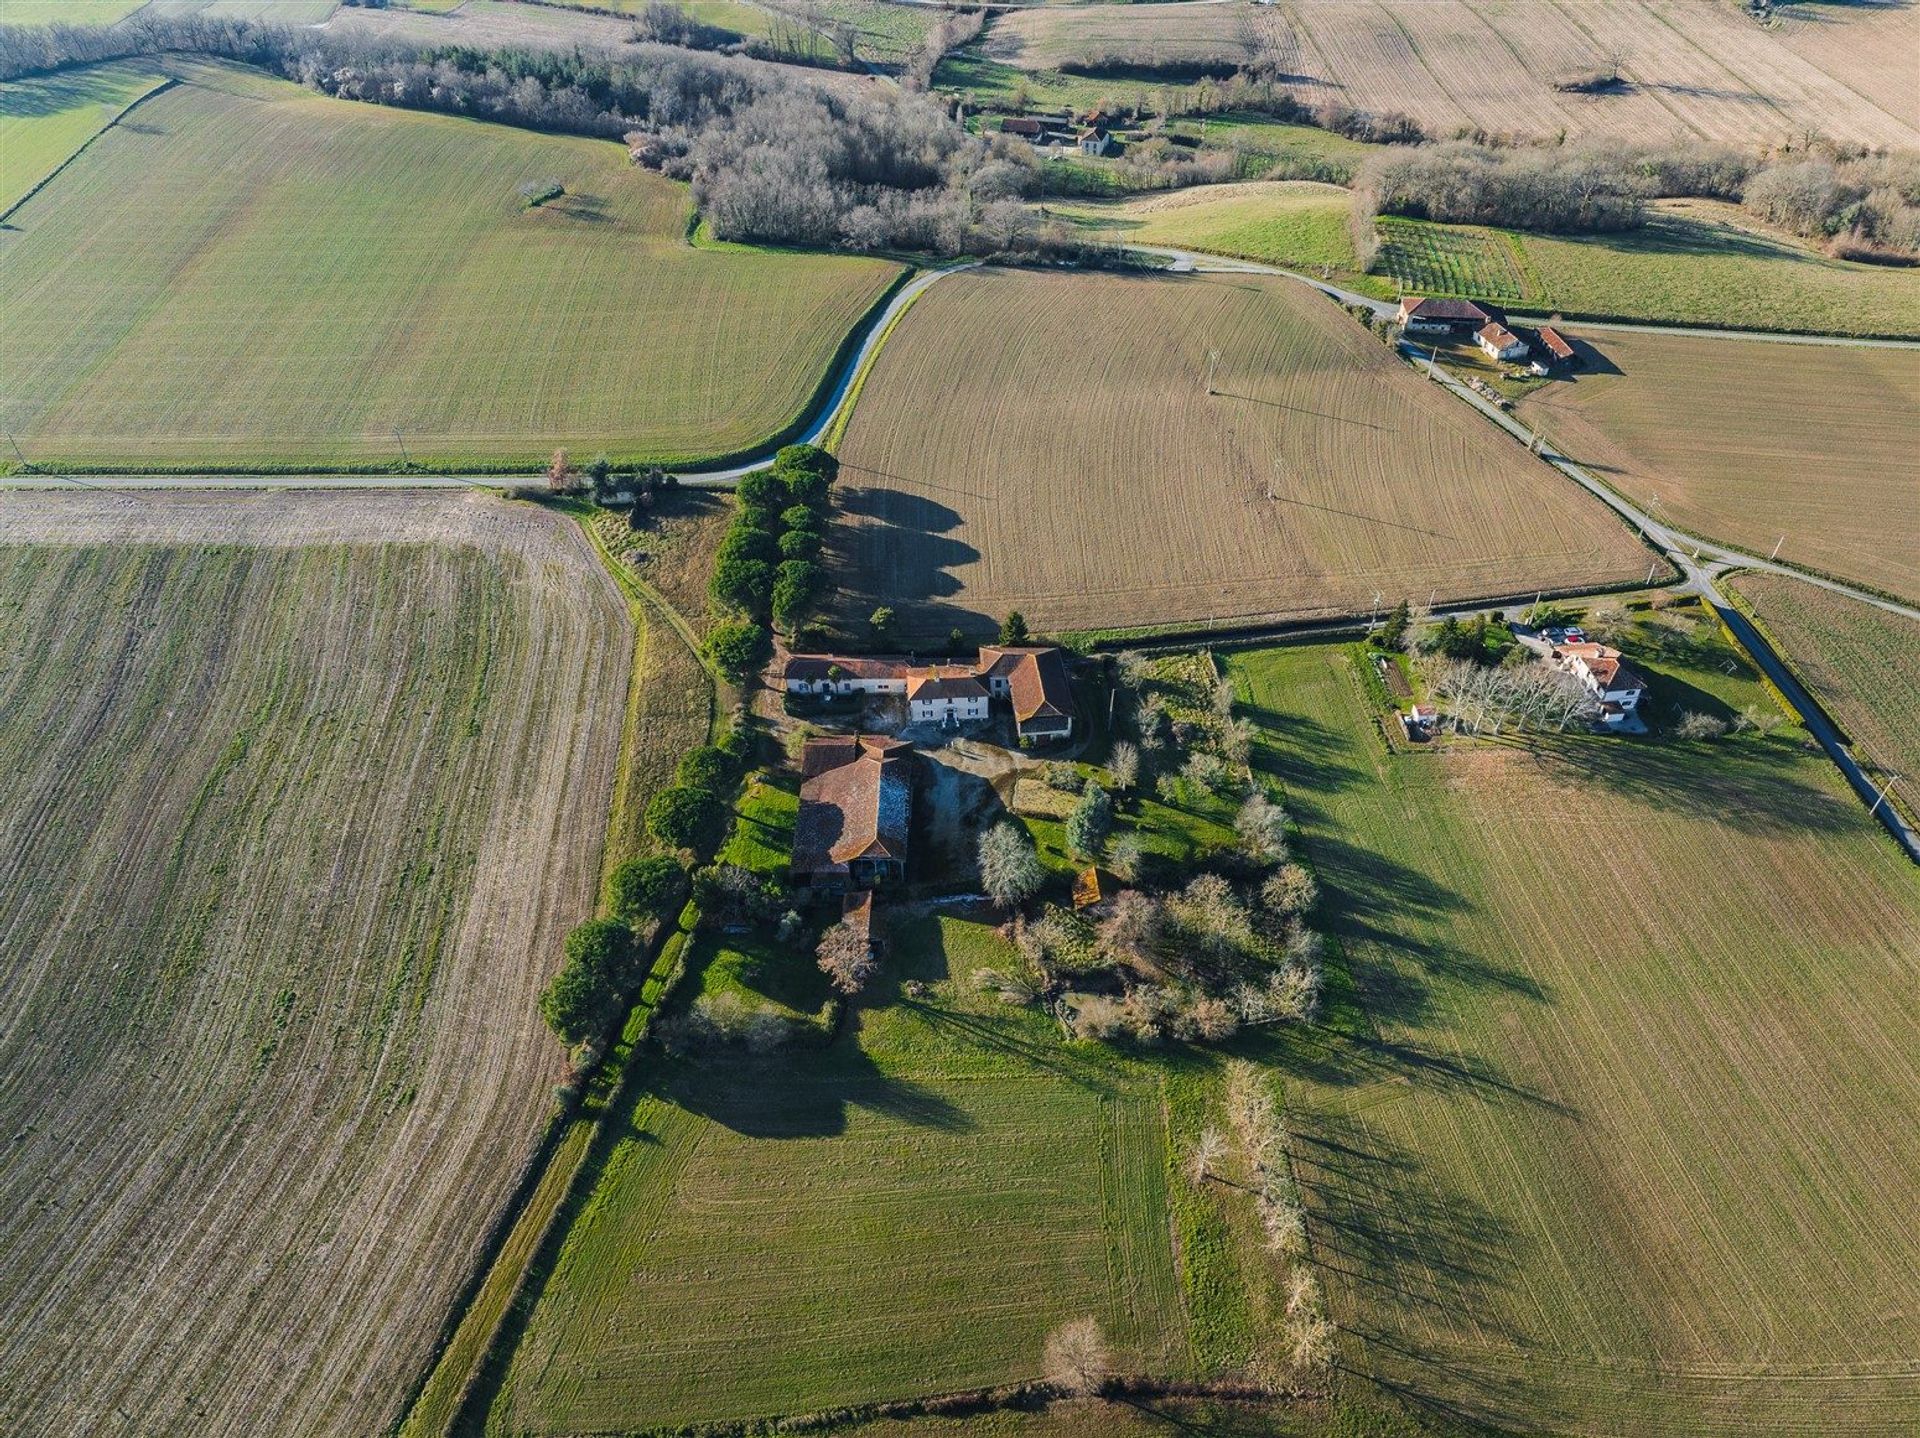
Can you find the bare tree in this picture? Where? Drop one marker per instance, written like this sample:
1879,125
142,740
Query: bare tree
1132,927
1311,1339
1204,1158
1290,890
1075,1361
1262,827
846,958
1124,766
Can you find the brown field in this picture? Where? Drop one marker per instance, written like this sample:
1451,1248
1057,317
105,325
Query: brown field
1144,35
1045,442
297,796
1861,663
1745,441
1695,68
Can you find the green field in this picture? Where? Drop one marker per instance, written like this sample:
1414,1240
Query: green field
1861,663
43,120
1612,1142
258,276
66,12
907,1211
1298,224
1694,263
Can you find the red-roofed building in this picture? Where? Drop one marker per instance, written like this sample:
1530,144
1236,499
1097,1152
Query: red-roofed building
1427,315
1499,342
856,804
1607,677
1033,678
1554,351
946,695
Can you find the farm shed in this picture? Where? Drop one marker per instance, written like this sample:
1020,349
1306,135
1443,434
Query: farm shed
856,799
1418,315
1554,352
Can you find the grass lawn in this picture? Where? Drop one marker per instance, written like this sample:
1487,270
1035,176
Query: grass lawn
282,279
908,1210
45,118
1299,224
1614,1144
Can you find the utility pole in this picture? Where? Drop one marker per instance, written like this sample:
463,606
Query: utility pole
16,452
1650,569
406,460
1881,797
1776,547
1213,358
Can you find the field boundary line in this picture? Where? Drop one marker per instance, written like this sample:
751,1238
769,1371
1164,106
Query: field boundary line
161,88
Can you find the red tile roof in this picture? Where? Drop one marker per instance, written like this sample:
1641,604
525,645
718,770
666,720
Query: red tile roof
1498,335
812,667
1452,311
1036,678
1556,345
854,810
949,683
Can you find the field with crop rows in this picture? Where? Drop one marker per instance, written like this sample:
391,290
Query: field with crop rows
1297,223
907,1211
1617,1148
1123,37
173,325
45,118
1747,441
1451,260
1077,469
1861,663
1691,70
299,796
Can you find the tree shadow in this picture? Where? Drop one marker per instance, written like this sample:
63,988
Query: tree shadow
901,554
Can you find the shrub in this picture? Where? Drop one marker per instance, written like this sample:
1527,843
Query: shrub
706,767
745,539
846,958
1695,725
800,517
646,888
679,815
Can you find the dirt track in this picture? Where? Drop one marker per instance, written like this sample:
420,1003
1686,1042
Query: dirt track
297,796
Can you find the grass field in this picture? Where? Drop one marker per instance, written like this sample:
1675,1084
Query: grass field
299,796
907,1211
173,325
45,119
1146,36
1692,70
1696,262
66,12
1747,441
1612,1143
1859,662
1296,223
1077,469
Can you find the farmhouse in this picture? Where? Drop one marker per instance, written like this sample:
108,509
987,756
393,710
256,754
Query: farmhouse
1024,126
1438,316
1608,678
1554,352
1499,342
947,697
828,674
856,799
1097,142
1033,678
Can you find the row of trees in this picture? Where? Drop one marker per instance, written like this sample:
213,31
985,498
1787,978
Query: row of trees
768,565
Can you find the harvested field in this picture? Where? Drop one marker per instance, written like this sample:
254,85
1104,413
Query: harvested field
66,12
1613,1142
1747,441
1861,663
1690,69
299,796
1298,223
1171,39
1046,442
44,119
907,1211
169,326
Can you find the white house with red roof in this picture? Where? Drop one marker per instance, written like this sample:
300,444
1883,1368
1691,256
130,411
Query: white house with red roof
1614,684
1499,342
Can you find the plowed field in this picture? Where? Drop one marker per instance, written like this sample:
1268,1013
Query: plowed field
297,797
1754,443
1047,443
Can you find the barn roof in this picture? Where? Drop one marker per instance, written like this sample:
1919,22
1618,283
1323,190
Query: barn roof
812,667
855,810
1443,309
1555,343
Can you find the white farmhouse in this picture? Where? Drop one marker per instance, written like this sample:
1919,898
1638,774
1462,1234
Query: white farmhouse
947,697
1499,342
1607,677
